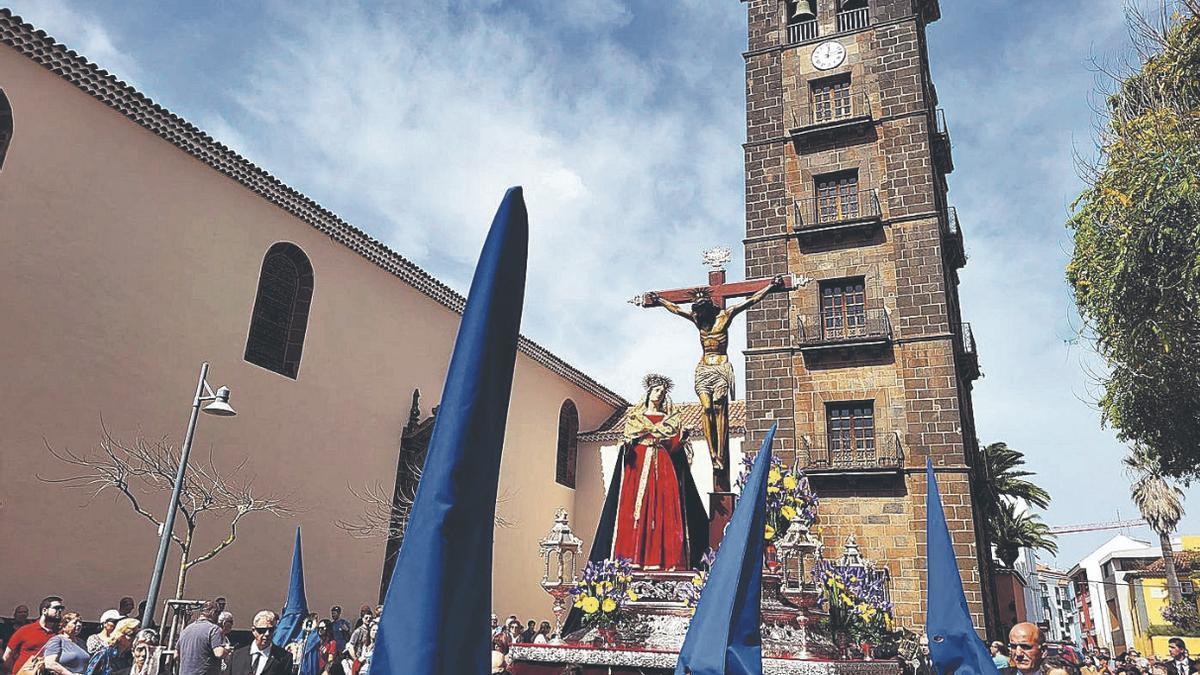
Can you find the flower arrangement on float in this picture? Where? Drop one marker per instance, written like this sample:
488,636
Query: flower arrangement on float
604,591
788,494
856,598
688,592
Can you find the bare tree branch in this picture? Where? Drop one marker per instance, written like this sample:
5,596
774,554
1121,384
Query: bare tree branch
143,468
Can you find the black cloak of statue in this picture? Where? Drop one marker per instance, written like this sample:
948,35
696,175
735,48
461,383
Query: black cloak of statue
695,524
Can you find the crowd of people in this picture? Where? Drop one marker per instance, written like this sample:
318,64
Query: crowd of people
55,643
1026,653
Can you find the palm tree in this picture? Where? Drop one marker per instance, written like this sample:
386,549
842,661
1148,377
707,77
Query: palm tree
1012,531
1008,480
1161,504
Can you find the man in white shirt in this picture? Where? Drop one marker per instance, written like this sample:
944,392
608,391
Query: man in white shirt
261,657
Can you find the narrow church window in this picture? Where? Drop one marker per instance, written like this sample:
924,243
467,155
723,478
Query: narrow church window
6,126
831,99
568,444
837,197
853,15
843,309
280,318
851,429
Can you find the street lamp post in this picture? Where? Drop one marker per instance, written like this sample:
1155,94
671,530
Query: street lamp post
220,407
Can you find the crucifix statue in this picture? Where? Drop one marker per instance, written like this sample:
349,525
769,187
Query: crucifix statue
714,372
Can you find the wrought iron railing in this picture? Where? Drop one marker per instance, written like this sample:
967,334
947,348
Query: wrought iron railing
968,340
801,31
853,19
825,211
941,142
881,450
856,106
955,251
831,329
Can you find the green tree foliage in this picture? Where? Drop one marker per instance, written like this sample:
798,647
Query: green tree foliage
1135,269
1161,504
1013,531
1007,483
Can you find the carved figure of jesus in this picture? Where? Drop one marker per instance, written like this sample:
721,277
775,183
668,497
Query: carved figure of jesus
714,372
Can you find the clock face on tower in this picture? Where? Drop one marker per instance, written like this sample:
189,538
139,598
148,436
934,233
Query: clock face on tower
828,55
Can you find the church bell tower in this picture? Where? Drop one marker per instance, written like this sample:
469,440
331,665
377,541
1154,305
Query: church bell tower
867,366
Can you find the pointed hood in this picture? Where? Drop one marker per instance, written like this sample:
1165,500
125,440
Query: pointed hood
292,621
954,645
436,612
725,637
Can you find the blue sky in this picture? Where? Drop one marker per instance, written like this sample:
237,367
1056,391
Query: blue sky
624,122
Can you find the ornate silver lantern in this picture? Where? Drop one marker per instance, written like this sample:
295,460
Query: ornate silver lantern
560,555
798,552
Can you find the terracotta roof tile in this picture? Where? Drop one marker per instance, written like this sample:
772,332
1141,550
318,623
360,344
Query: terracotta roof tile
1185,561
611,429
102,85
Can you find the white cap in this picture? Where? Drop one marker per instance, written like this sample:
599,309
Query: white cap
110,615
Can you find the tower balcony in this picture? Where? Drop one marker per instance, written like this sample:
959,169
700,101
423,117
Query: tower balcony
843,213
941,143
952,240
834,117
842,334
968,357
853,19
802,31
881,452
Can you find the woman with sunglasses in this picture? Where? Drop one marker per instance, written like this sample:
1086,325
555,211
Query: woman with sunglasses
65,654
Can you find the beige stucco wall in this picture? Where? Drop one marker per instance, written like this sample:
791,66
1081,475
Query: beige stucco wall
124,263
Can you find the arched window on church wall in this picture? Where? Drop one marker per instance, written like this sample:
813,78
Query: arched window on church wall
280,318
568,444
6,126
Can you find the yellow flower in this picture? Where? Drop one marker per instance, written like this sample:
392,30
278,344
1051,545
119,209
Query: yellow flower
774,476
590,604
772,489
633,597
789,482
770,532
604,587
609,605
697,581
787,512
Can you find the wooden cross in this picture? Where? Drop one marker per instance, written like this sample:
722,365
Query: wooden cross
718,289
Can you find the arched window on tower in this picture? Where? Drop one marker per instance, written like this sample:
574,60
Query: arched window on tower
568,444
280,318
6,126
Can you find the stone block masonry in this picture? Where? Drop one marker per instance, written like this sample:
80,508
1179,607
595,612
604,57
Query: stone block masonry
879,144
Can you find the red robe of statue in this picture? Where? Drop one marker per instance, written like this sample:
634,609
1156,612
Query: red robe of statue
650,526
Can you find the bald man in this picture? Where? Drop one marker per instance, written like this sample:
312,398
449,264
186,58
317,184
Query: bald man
1025,644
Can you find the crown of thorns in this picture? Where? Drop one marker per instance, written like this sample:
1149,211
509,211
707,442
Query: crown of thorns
654,379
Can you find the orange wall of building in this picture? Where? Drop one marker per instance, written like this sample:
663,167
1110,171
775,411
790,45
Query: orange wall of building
126,262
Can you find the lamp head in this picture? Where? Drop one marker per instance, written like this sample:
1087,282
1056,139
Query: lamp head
220,406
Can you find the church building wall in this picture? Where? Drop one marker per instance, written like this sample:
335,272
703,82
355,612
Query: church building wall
125,263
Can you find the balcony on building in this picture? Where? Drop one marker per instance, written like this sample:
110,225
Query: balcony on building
968,357
853,19
941,143
802,31
952,240
843,334
880,452
840,114
850,212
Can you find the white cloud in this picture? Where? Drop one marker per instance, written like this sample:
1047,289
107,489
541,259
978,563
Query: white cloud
82,31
